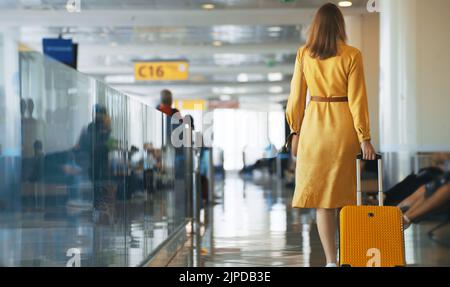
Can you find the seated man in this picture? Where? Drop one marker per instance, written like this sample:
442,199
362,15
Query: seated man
426,199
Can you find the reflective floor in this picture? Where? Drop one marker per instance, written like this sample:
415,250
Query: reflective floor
39,238
253,225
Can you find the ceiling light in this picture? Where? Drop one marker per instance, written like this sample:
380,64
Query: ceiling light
274,29
243,78
345,3
119,79
275,77
224,90
217,43
276,90
208,6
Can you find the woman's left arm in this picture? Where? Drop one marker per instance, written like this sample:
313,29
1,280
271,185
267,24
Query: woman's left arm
295,108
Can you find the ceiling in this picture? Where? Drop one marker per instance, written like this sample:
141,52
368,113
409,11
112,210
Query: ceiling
168,4
241,48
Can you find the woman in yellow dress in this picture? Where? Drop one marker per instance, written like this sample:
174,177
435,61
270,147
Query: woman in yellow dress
333,128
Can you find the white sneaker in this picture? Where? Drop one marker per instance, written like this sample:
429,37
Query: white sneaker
331,265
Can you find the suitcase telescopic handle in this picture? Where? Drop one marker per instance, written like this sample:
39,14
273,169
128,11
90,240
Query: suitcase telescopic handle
360,157
379,158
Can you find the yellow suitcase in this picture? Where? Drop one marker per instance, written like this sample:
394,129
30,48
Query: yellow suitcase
371,236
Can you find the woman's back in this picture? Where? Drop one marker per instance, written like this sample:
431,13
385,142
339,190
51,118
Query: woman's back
330,130
330,77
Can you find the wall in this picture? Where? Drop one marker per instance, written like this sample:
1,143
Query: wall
416,66
364,33
433,71
413,82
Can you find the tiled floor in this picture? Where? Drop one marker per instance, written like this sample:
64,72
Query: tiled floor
253,225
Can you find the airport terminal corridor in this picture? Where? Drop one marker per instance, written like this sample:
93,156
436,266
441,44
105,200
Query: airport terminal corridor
224,133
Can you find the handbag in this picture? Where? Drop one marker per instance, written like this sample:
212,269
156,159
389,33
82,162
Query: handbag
291,144
292,139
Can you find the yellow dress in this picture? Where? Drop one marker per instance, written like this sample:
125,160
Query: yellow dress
330,132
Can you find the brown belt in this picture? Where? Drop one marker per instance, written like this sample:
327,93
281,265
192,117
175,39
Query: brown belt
330,100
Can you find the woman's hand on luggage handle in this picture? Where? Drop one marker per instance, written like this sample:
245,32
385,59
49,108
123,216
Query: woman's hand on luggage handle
368,151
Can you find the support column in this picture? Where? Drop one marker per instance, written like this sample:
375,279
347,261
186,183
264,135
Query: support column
398,90
414,88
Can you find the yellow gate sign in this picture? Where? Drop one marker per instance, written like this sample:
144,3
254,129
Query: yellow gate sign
193,105
161,71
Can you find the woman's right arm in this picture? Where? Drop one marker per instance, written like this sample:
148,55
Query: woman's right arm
359,106
297,99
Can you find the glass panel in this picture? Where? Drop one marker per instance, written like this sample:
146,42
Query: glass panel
97,181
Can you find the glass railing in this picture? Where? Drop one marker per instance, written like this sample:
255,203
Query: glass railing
96,181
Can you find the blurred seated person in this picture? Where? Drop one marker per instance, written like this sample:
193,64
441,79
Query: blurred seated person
268,161
427,199
135,178
153,160
152,163
439,162
93,149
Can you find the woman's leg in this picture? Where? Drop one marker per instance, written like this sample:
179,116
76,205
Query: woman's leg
338,235
327,225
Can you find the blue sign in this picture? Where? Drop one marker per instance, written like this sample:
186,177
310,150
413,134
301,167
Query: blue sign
60,49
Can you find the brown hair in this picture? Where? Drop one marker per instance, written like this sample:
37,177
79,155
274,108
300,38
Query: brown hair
328,28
